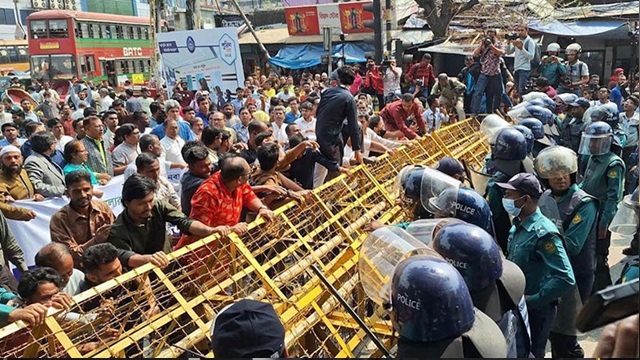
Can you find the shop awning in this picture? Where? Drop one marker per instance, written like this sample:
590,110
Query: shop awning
609,28
303,56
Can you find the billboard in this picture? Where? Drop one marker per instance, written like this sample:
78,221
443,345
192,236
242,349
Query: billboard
309,20
204,59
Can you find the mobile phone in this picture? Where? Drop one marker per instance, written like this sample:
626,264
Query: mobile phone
609,305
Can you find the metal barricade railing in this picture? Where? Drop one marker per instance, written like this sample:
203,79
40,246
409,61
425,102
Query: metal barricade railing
153,312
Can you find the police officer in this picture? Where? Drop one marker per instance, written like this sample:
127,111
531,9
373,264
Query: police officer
541,140
462,203
433,313
508,157
602,113
451,167
496,285
572,126
602,179
575,213
535,245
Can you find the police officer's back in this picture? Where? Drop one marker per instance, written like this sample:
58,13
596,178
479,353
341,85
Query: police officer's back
536,247
572,126
496,285
541,140
434,316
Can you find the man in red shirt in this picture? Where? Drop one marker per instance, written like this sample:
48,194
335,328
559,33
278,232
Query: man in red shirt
373,79
401,115
421,77
219,199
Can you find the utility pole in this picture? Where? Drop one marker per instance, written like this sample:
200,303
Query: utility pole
253,32
154,19
387,18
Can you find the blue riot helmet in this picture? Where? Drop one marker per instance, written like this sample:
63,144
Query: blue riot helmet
472,251
491,125
430,300
465,204
510,144
528,135
549,104
409,181
596,139
541,113
535,126
536,102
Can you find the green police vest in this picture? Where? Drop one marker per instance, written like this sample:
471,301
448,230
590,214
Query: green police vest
595,172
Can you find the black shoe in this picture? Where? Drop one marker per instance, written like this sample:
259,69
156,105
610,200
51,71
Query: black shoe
630,251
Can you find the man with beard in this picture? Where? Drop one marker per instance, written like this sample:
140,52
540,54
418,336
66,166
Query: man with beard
83,222
15,185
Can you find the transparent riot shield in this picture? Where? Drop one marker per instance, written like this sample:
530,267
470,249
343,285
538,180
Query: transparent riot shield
381,251
479,180
625,222
491,125
434,183
425,230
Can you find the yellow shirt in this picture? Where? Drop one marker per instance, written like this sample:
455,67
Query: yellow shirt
262,116
270,93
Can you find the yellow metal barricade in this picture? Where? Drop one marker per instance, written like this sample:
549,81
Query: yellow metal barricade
153,312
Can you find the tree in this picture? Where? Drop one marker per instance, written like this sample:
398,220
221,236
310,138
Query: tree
438,13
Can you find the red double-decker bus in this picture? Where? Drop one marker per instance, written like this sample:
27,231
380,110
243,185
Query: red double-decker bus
65,44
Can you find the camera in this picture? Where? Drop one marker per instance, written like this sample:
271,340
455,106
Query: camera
420,82
384,66
511,36
488,40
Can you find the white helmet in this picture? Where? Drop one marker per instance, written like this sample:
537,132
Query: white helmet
574,48
553,47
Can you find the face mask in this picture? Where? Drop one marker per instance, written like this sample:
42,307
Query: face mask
510,207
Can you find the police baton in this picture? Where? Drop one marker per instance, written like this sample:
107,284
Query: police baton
467,172
352,312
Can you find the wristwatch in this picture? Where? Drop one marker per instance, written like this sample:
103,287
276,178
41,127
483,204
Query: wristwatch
263,207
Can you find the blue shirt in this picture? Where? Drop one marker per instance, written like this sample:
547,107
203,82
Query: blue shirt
290,117
237,105
5,142
184,131
616,97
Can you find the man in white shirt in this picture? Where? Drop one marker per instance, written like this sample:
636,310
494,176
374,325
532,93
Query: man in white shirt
46,86
172,143
432,115
392,81
307,122
278,125
55,126
150,143
106,100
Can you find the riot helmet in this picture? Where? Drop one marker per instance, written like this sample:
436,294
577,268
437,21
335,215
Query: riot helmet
602,113
451,167
510,144
430,300
596,139
535,102
434,183
464,204
472,251
567,98
491,125
555,161
528,135
553,47
625,222
380,253
535,126
541,113
409,182
549,104
574,48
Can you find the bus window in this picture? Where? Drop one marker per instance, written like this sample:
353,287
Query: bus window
4,55
142,66
103,31
91,64
51,67
113,32
38,29
136,32
145,33
58,28
119,32
92,32
23,54
84,31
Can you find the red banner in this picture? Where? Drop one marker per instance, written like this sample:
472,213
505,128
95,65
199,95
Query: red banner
302,20
352,17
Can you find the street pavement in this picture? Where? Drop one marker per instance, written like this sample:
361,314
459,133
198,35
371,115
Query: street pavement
589,340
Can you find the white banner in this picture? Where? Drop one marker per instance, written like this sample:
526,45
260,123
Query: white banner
34,234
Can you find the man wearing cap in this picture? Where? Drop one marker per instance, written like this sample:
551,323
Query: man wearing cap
15,185
572,126
248,329
535,245
451,167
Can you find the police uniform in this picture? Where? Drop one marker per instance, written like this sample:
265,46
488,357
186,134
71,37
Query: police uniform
536,247
501,220
571,132
603,178
575,214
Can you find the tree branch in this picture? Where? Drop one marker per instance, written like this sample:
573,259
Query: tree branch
468,5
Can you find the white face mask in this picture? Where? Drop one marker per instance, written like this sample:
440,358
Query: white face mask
340,63
510,207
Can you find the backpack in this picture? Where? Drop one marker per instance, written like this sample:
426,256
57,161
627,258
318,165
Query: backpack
535,62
